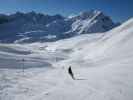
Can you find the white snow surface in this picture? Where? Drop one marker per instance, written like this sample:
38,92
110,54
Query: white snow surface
102,64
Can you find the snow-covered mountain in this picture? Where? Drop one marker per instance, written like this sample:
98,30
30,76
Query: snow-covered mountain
32,27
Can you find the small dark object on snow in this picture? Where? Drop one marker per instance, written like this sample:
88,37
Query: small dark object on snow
70,72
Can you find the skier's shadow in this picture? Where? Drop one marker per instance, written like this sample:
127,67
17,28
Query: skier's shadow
80,79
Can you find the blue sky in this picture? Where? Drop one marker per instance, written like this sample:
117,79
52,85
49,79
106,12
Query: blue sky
119,10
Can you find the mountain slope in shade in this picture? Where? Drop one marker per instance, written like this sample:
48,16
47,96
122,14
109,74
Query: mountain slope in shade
32,27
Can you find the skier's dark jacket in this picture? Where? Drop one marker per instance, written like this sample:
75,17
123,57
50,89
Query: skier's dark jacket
70,72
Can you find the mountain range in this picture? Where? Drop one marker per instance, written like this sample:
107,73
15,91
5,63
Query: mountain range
36,27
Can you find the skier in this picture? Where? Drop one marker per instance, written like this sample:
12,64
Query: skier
71,73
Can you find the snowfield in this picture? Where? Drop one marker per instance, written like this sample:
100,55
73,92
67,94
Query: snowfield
102,64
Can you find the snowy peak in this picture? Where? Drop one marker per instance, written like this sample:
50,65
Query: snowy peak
92,22
88,14
95,14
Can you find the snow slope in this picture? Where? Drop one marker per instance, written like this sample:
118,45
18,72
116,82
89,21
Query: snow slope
102,64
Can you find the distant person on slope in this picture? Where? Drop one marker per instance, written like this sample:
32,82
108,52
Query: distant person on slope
71,73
